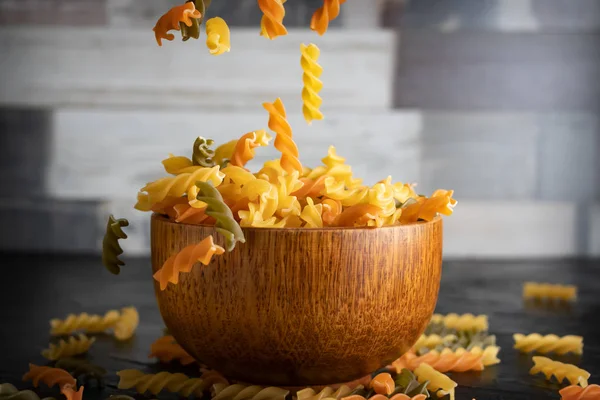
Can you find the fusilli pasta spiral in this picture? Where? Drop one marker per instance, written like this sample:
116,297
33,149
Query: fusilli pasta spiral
203,154
407,383
171,19
576,392
155,383
548,343
111,249
127,323
218,38
193,31
383,384
283,141
560,371
48,375
216,208
328,12
72,347
84,322
166,349
244,150
184,261
464,322
434,340
437,381
10,392
271,24
224,152
326,393
244,392
311,71
534,290
312,214
357,215
445,361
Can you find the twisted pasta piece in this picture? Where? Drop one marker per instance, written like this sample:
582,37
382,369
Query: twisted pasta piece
171,19
408,384
48,375
576,392
184,261
445,361
216,208
326,393
224,152
311,71
357,215
331,210
383,384
283,141
84,322
244,392
336,190
534,290
311,214
166,349
310,187
328,12
70,394
155,383
432,341
561,371
548,343
127,324
81,369
203,153
69,348
244,148
178,185
437,381
464,322
271,23
218,38
111,249
10,392
193,31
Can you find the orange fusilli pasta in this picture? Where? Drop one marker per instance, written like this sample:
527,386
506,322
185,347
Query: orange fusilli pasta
271,24
283,141
576,392
244,148
166,349
185,260
327,13
171,19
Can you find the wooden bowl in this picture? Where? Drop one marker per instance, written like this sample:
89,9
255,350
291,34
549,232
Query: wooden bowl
302,306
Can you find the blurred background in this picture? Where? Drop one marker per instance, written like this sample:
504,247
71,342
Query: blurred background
496,99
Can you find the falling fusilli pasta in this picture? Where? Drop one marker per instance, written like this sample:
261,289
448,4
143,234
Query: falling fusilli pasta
203,154
111,249
327,13
560,371
283,141
218,37
271,24
72,347
311,71
184,261
171,20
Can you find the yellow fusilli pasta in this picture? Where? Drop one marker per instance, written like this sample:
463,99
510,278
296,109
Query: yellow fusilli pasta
72,347
127,323
155,383
432,341
325,393
560,371
437,381
244,392
548,343
464,322
312,214
534,290
311,101
218,38
84,322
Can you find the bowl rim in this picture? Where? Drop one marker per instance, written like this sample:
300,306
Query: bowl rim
434,221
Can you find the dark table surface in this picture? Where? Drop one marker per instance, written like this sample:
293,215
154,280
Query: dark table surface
38,288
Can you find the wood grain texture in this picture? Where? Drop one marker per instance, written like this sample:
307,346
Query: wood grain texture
123,67
302,306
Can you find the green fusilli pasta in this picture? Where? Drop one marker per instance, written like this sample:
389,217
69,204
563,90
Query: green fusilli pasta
407,383
226,224
9,392
203,154
111,250
194,30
